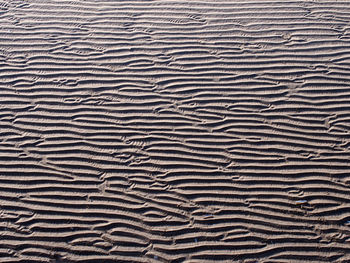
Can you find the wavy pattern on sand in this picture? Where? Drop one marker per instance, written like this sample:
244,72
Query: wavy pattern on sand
174,131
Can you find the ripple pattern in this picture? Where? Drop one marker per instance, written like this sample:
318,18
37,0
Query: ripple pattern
174,131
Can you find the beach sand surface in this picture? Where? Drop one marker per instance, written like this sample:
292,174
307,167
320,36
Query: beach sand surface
174,131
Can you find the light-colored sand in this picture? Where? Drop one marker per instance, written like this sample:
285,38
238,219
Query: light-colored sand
174,131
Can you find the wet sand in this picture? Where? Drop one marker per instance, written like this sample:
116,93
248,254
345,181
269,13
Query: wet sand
174,131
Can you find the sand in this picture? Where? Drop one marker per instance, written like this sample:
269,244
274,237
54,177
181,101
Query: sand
174,131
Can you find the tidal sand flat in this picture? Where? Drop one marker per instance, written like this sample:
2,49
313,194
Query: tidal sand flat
174,131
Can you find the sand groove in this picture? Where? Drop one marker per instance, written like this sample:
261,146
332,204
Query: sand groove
174,131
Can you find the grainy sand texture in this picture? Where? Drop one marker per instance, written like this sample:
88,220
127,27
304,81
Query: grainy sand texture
174,131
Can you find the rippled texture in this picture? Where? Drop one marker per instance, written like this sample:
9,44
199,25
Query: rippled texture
174,131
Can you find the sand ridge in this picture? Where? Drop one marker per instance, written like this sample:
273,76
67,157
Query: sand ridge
174,131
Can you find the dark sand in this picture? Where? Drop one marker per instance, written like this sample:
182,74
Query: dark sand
174,131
